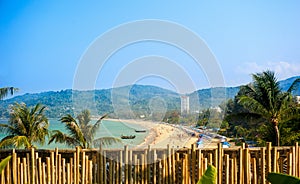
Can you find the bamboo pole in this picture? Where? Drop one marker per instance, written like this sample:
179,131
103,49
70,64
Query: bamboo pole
40,170
121,166
143,168
68,173
104,169
32,165
274,159
14,166
290,163
173,165
52,166
21,174
246,156
263,165
77,172
254,173
63,167
59,169
28,167
240,169
178,168
126,163
44,173
269,157
117,170
227,166
220,163
48,170
100,165
8,175
56,166
199,165
130,166
25,169
83,168
297,160
169,165
294,161
138,171
232,171
135,180
19,170
154,166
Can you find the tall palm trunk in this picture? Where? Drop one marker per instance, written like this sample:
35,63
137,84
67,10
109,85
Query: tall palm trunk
275,124
277,135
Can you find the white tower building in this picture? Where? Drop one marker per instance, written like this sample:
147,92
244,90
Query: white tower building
185,105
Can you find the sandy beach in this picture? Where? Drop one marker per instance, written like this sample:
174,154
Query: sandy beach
162,134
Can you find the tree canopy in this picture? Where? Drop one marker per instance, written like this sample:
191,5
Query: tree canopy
262,107
27,125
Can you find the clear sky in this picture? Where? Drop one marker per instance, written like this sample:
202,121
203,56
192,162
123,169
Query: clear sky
42,42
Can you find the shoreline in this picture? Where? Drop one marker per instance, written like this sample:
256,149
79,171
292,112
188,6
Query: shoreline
161,134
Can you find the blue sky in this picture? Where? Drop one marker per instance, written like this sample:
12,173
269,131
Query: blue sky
42,42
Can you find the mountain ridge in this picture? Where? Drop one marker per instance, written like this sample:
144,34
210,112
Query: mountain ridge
137,100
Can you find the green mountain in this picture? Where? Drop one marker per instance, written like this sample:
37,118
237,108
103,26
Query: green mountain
129,99
285,84
125,102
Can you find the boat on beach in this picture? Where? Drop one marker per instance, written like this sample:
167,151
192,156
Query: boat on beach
140,131
127,136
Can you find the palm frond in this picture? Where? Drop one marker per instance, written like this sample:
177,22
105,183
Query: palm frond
106,141
97,124
15,141
60,137
6,91
253,105
84,118
28,122
74,129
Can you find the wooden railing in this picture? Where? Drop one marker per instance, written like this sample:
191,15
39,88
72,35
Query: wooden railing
234,165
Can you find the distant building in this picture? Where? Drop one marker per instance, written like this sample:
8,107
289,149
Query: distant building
298,99
185,105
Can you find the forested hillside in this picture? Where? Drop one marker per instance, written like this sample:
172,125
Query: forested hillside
137,101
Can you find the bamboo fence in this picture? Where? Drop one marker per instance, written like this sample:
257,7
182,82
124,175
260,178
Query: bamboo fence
163,166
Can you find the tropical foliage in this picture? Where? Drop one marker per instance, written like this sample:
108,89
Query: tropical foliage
4,162
81,132
263,109
27,125
279,178
210,176
7,90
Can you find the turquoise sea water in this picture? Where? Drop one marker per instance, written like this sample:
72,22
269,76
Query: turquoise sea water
107,129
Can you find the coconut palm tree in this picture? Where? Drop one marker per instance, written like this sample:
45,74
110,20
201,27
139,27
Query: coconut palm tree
25,126
265,98
7,90
81,132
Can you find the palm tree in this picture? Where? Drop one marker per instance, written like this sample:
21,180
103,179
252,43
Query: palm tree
25,126
81,132
265,98
7,90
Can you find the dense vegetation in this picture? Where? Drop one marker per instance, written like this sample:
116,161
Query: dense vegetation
237,117
26,126
264,112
